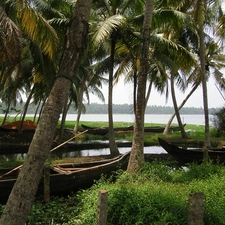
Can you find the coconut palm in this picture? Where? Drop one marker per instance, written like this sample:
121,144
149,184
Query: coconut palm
110,27
26,185
137,157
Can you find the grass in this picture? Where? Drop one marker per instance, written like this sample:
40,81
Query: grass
157,195
195,133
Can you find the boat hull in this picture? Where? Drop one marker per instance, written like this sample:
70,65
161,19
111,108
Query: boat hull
71,178
184,156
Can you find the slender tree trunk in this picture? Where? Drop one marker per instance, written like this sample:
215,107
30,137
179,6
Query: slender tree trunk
135,92
137,153
112,143
148,93
204,81
79,108
20,200
6,113
166,130
42,106
36,111
59,138
25,109
183,133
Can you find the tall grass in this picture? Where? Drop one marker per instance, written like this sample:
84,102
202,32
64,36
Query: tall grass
157,195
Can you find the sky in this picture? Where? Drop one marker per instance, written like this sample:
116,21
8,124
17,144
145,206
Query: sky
122,94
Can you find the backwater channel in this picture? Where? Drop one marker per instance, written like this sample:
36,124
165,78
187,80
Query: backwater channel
150,118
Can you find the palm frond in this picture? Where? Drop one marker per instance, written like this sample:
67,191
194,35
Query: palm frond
106,28
10,41
39,30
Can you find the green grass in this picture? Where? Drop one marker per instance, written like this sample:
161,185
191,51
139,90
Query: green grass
157,195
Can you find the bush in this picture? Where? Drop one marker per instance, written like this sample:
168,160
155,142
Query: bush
157,195
219,122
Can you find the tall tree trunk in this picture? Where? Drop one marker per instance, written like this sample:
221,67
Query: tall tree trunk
59,138
36,111
25,109
42,106
20,200
112,143
6,112
135,92
148,93
166,130
183,133
137,153
79,107
204,81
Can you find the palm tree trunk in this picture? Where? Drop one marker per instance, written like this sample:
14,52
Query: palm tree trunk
204,82
148,93
137,153
112,143
135,92
166,130
20,200
6,113
183,133
79,109
36,111
25,109
42,106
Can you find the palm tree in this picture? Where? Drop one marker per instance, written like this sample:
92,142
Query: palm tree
137,155
26,185
24,34
110,29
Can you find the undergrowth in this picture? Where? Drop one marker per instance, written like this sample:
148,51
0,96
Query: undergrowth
157,195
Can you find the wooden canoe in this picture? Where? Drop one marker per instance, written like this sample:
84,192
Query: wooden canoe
105,130
66,178
185,156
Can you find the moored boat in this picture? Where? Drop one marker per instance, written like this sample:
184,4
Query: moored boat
66,178
105,130
185,156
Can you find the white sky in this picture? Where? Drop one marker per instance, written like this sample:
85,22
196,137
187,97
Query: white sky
122,94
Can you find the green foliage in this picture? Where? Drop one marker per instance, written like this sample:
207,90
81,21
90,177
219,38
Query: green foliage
219,122
157,195
11,163
57,211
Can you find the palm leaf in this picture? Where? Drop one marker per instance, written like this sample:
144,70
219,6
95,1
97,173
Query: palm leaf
10,41
106,28
39,30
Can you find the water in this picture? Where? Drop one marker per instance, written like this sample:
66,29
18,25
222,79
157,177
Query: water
196,119
149,118
87,152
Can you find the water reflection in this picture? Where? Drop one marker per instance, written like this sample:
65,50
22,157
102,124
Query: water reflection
88,152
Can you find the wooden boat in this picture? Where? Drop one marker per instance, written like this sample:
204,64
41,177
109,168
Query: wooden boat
105,130
159,129
184,156
27,126
66,178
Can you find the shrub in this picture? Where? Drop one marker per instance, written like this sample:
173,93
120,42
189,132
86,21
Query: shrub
219,122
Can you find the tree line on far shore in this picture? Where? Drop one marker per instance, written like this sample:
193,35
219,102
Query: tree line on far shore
96,108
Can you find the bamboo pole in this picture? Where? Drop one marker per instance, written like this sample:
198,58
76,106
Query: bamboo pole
58,146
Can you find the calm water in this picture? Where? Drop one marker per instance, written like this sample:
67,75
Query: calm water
88,152
149,118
